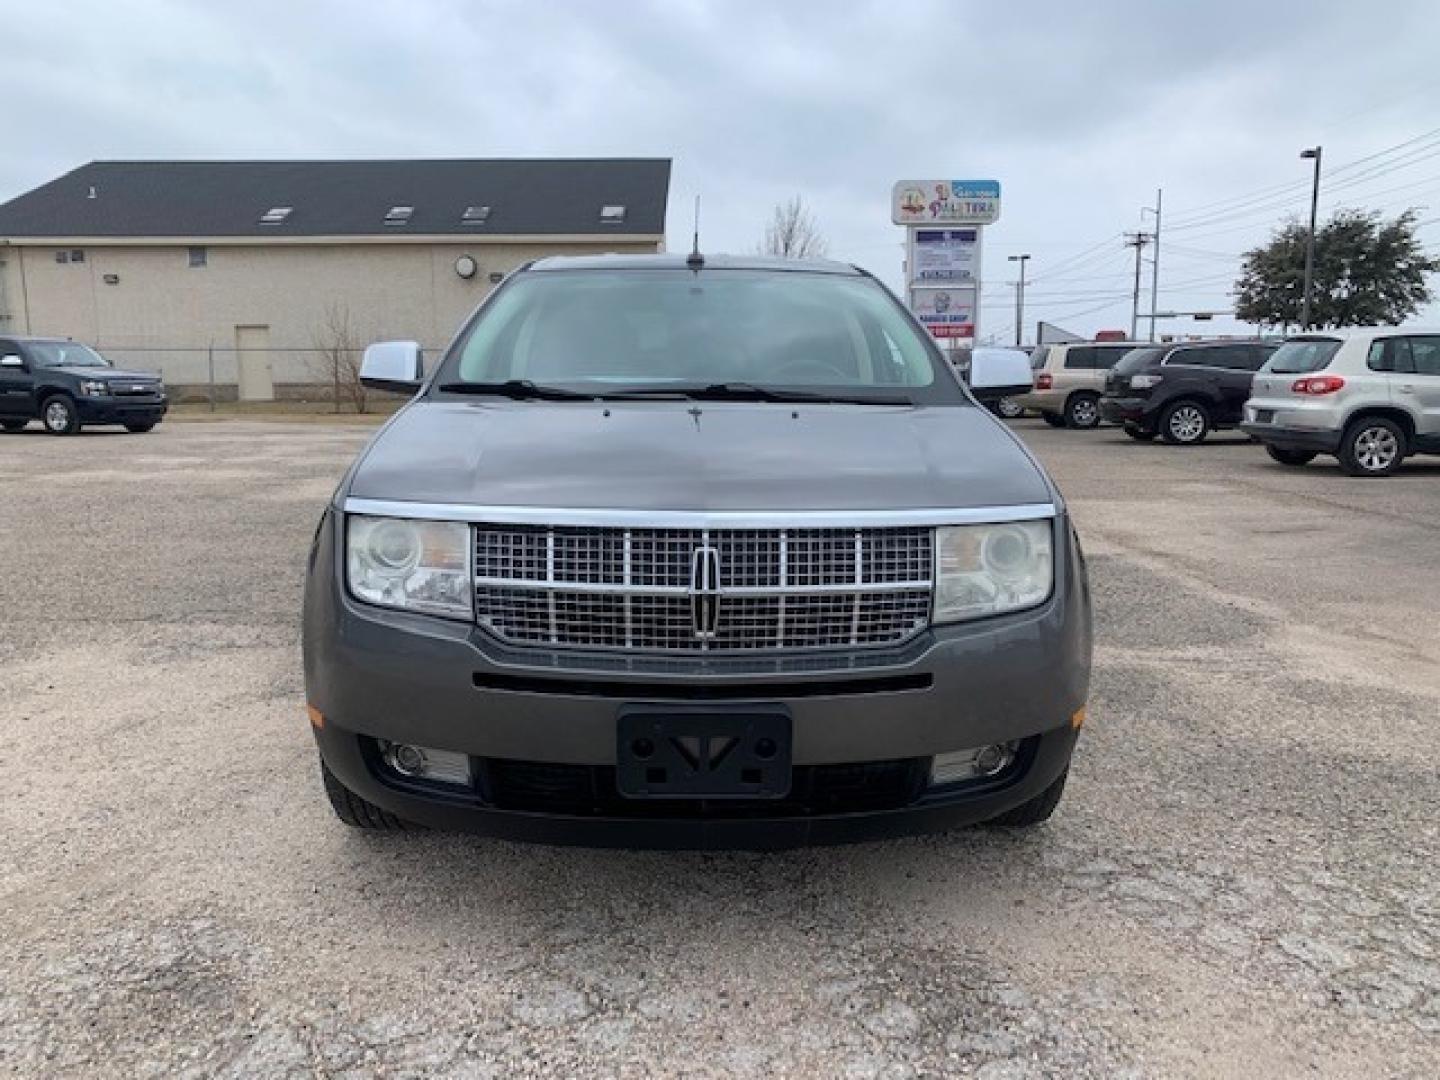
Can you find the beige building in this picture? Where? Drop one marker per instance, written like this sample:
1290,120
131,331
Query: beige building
253,273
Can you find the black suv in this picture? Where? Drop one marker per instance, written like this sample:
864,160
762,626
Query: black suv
64,384
1182,392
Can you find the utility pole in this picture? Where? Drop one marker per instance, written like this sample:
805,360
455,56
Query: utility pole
1137,240
1019,295
1155,265
1312,154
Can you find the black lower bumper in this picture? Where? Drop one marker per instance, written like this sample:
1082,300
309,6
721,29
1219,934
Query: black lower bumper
112,411
1321,441
604,822
1124,411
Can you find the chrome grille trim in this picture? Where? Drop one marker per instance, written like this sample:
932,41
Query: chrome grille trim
698,519
660,590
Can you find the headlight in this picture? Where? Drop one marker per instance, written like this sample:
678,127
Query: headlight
94,387
418,565
1144,382
987,569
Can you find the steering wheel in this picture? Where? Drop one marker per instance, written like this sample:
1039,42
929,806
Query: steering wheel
809,365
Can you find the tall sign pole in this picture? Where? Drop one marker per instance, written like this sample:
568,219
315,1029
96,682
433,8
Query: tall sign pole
944,224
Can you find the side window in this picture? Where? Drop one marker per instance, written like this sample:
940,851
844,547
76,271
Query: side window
1256,355
1080,357
1425,355
1105,359
1182,356
1232,358
1390,354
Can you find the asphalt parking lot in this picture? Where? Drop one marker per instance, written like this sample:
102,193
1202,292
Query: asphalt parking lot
1243,879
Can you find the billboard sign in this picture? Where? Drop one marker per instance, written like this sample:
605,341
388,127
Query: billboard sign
946,312
946,255
945,202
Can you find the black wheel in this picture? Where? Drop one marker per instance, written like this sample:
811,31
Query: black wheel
1009,408
1372,446
141,428
59,416
1053,419
14,425
1082,411
359,813
1290,457
1139,434
1036,810
1184,423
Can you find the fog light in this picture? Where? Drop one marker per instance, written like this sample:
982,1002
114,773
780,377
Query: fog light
423,763
976,764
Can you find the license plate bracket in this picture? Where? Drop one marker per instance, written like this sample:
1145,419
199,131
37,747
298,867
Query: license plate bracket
670,752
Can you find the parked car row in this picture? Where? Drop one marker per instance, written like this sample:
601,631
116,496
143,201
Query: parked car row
1370,397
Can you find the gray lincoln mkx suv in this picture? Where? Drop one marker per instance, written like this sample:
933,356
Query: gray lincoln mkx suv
688,552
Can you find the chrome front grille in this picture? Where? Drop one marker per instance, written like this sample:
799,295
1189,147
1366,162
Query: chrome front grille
684,590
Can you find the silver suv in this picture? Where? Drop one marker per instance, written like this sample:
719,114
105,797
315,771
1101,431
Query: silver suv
1371,397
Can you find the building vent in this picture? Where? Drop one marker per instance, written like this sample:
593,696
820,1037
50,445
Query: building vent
276,215
475,215
399,215
612,215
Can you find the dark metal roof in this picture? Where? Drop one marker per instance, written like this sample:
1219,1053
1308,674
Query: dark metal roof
677,261
343,198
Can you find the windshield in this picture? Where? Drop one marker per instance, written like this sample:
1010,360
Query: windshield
64,354
608,331
1136,359
1298,357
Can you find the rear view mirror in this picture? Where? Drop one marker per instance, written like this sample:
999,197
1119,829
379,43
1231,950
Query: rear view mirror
11,360
393,365
997,373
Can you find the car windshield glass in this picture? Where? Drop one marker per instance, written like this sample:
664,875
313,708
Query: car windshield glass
1136,359
612,331
65,354
1298,357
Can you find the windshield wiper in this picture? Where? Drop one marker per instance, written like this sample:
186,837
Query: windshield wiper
743,391
519,389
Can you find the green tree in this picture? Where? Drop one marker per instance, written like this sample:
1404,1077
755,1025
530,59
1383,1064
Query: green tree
1368,272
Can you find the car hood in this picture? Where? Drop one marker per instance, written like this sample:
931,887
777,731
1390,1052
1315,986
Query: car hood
108,374
706,456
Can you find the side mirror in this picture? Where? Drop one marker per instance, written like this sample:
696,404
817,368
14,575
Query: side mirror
12,360
997,373
393,365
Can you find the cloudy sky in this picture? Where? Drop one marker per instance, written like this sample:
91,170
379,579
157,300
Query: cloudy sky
1081,111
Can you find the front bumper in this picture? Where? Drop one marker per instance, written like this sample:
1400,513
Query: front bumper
112,410
378,674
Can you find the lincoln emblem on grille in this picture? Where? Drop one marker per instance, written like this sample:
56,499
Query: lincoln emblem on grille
705,592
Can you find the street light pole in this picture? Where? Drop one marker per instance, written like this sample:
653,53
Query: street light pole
1020,295
1312,154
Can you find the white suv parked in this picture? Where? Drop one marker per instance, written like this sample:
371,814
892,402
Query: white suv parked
1370,396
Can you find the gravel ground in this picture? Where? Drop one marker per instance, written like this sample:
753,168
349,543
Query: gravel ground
1242,879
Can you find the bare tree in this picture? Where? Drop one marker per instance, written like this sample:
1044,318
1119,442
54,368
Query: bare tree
337,357
793,233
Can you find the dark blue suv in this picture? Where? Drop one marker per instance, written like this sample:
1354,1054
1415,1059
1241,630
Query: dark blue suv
65,385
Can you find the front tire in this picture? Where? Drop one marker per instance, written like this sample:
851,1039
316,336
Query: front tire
1372,446
1185,423
59,415
1082,411
1290,457
360,813
1035,810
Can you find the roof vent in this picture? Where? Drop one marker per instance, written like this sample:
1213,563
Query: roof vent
612,215
475,215
399,215
276,215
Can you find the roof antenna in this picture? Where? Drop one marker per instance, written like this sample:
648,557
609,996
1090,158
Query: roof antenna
695,260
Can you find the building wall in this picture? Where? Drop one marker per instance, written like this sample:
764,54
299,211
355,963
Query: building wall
162,314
